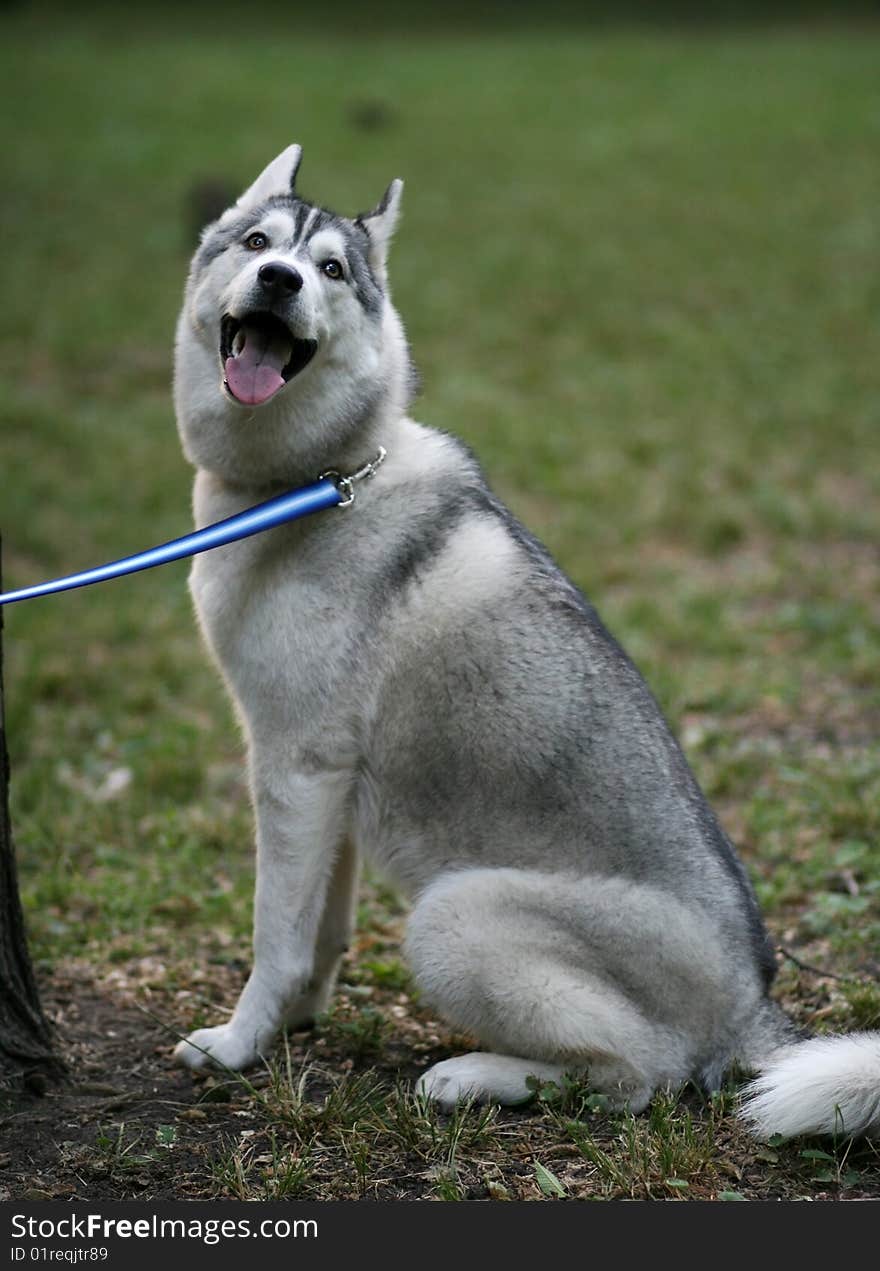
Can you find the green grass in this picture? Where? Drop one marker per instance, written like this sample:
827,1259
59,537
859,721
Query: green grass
639,272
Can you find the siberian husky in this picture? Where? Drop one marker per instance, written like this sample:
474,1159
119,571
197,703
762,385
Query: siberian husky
418,681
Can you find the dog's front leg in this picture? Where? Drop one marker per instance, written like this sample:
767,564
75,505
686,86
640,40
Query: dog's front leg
334,934
301,823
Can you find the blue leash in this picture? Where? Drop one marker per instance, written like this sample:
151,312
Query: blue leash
330,490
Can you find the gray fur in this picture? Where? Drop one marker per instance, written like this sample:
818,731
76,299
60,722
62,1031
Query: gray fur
418,681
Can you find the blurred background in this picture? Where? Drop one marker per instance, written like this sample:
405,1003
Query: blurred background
638,265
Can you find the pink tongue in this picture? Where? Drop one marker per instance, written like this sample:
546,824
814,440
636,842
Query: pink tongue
254,375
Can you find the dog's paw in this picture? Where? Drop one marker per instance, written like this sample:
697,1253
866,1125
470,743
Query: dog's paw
485,1078
222,1047
455,1079
441,1088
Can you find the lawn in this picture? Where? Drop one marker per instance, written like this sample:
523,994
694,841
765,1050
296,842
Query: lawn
639,272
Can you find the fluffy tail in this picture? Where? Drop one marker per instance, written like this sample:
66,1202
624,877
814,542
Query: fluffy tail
824,1085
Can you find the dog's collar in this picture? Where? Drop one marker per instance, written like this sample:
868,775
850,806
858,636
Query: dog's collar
345,485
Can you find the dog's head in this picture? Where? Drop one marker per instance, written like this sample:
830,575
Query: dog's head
287,346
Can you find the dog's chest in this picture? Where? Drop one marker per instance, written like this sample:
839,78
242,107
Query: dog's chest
270,613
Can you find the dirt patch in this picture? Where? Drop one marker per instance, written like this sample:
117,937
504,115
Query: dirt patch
333,1117
127,1124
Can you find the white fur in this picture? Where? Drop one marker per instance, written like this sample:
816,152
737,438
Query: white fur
825,1085
485,1078
530,994
307,225
326,242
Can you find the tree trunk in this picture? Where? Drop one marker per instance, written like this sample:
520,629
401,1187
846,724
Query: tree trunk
25,1035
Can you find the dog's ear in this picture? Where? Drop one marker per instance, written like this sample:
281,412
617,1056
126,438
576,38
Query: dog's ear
380,224
278,178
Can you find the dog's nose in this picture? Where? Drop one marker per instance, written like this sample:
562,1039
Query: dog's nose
279,278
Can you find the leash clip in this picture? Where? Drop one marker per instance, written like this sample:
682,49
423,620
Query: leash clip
345,485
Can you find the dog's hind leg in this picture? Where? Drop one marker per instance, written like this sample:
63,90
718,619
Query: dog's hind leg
562,974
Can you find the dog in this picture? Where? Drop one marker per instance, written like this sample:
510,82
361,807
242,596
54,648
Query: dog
418,682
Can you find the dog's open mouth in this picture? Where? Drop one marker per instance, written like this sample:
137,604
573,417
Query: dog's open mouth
260,354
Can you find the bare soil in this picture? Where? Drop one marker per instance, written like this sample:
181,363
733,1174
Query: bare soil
130,1124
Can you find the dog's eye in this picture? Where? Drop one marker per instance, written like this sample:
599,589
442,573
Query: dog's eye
256,242
332,269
